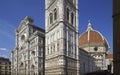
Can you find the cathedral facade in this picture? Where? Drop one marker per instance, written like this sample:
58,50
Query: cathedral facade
28,55
96,45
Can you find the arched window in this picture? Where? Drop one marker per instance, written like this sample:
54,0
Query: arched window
72,18
48,50
68,12
55,14
33,53
51,18
58,46
33,67
22,37
21,64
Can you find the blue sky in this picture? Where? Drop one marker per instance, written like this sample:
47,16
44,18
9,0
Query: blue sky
13,11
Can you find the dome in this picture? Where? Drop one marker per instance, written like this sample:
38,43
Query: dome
92,37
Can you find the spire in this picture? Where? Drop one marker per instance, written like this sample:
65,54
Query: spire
89,26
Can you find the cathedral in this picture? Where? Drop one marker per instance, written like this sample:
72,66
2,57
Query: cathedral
58,50
95,44
28,55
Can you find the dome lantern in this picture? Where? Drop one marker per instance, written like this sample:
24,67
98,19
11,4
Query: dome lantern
89,26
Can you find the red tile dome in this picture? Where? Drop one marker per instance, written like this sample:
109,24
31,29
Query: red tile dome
92,36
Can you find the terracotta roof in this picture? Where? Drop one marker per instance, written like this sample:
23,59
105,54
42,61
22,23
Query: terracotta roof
92,36
109,56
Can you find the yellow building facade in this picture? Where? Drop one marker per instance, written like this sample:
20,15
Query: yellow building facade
5,66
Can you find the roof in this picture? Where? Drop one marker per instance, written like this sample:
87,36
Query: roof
92,36
38,28
109,56
29,21
4,59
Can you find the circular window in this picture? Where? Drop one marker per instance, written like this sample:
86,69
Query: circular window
96,48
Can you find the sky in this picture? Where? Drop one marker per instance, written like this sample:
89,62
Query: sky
99,12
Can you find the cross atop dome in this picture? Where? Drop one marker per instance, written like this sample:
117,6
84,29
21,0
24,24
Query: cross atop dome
89,26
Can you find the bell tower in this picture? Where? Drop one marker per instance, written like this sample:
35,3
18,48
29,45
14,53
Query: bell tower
61,44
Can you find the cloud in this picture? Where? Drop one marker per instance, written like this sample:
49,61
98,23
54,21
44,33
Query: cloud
7,34
6,24
6,29
5,54
3,49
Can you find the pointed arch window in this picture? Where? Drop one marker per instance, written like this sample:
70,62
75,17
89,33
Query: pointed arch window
48,52
72,18
55,14
68,12
21,65
33,67
51,18
58,46
33,53
22,37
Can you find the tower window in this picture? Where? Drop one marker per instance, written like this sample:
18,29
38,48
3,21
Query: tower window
72,18
33,53
68,14
75,21
33,67
51,18
21,65
58,45
48,50
55,14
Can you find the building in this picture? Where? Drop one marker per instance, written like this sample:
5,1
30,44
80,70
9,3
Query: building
109,62
87,62
57,50
61,37
96,45
28,55
116,36
104,72
5,66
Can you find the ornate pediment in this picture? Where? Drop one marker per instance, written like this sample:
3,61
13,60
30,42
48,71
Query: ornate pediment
26,21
